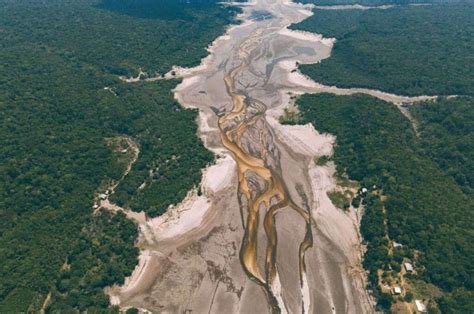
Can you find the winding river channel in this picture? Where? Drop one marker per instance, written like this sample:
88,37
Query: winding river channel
263,237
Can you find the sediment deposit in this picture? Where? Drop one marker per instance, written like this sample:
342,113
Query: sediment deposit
263,237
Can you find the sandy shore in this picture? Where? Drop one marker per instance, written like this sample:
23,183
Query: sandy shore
334,223
180,219
300,80
307,36
141,270
352,7
219,176
303,139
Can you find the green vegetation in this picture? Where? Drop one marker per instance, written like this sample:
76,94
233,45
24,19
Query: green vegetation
426,209
102,257
409,50
408,297
340,199
446,129
446,133
290,116
119,37
171,156
56,58
458,302
132,311
377,256
321,161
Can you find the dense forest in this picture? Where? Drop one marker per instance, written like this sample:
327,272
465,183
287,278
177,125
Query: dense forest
56,59
119,37
446,130
460,301
171,156
428,209
103,256
409,50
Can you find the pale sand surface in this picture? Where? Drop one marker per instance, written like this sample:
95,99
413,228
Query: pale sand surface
189,214
180,219
307,36
219,176
303,139
352,7
140,271
190,255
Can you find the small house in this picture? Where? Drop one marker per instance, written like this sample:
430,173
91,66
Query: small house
397,290
397,245
408,267
420,306
103,196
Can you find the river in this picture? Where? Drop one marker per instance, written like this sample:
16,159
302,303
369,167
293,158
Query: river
263,237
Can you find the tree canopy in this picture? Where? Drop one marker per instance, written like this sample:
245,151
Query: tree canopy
60,99
407,50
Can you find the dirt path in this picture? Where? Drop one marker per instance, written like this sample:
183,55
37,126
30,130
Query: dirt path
104,202
45,303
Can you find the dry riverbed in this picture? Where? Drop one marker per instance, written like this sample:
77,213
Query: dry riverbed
263,236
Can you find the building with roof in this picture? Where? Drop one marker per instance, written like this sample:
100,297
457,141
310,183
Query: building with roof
420,306
408,267
396,244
